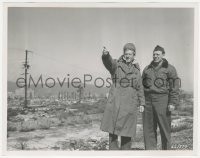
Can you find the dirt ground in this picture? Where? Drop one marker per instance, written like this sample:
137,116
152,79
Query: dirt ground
90,137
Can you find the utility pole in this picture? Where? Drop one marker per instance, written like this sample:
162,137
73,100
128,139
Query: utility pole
26,67
80,91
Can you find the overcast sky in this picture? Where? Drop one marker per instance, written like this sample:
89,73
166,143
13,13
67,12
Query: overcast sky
69,41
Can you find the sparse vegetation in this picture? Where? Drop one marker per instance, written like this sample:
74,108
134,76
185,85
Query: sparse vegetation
22,143
12,112
27,129
82,144
39,137
91,109
11,128
43,124
84,118
185,110
180,127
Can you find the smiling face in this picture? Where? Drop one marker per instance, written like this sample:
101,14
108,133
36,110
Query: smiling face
157,56
129,55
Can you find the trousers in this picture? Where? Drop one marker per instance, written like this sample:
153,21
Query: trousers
156,115
113,142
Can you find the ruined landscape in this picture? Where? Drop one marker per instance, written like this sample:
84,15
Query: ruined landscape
75,126
53,51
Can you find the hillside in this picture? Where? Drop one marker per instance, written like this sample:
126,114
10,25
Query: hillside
45,91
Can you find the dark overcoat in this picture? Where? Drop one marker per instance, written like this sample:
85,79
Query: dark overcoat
126,94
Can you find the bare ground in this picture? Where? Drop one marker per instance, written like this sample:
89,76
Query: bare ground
90,137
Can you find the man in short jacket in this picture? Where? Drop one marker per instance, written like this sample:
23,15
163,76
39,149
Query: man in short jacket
161,89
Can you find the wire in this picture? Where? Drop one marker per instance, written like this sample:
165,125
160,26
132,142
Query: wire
66,64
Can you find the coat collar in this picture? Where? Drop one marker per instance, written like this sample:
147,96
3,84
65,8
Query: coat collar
164,64
134,62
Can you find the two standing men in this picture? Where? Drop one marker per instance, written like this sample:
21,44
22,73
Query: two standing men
160,92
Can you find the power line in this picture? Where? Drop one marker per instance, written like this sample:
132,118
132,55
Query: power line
63,62
58,61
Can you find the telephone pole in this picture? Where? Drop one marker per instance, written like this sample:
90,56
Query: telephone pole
26,67
80,91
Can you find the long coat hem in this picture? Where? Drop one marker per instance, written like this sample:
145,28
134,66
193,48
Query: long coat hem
119,133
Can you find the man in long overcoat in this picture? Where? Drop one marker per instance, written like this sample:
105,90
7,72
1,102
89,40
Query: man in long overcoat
125,96
161,88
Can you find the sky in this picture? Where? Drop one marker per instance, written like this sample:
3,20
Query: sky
70,40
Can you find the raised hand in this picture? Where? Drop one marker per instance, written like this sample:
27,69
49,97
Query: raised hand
105,52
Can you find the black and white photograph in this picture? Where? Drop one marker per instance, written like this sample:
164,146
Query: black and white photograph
100,78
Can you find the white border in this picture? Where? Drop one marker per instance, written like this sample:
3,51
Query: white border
103,5
101,153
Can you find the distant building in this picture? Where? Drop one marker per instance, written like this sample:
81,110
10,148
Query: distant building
11,95
20,93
